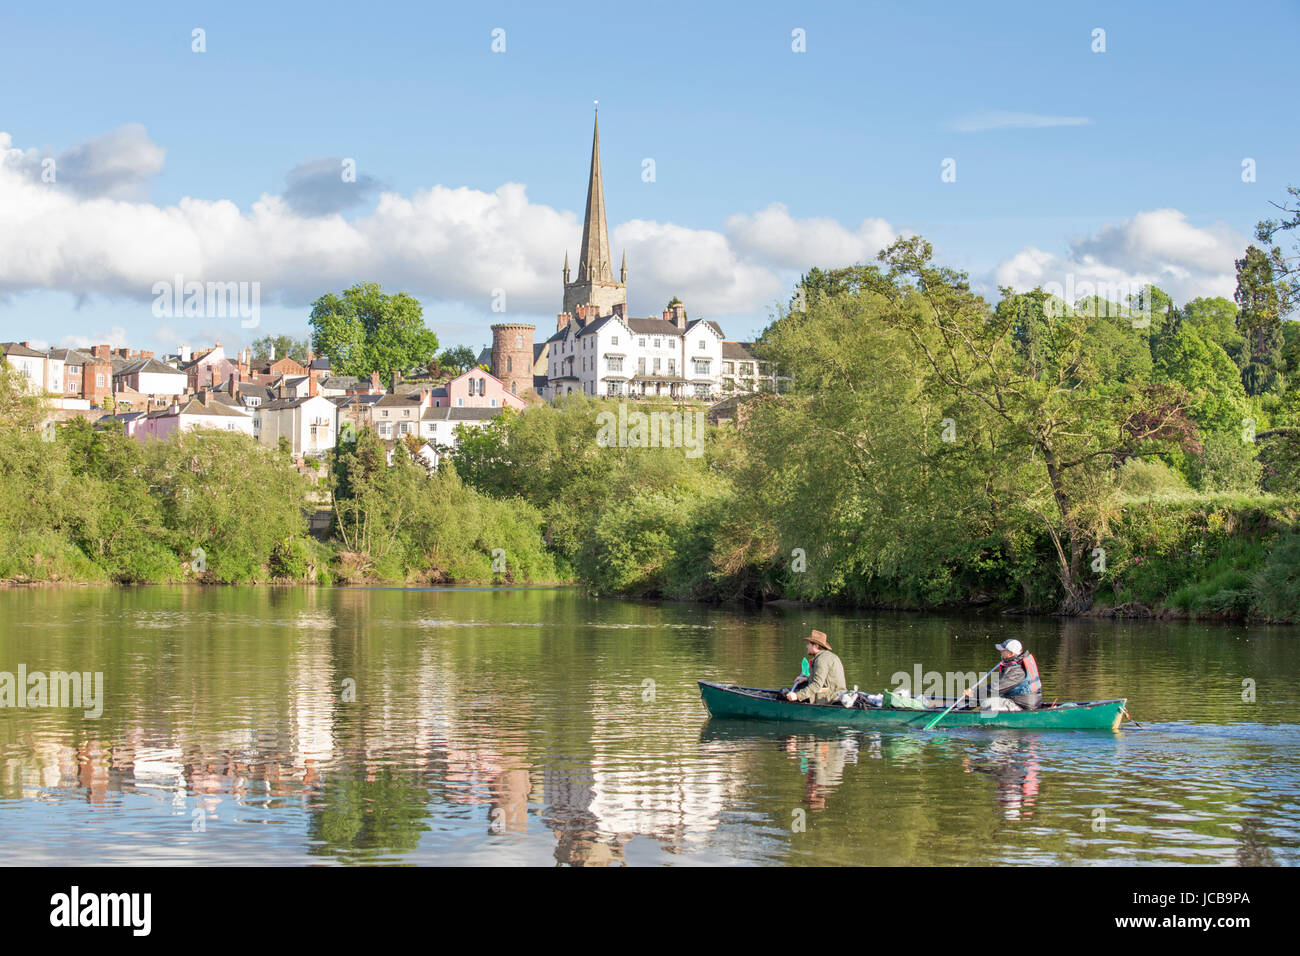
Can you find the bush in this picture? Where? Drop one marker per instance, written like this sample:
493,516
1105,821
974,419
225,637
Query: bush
1277,586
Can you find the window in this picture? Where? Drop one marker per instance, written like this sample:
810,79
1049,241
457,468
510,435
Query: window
385,413
510,364
482,386
99,380
640,366
385,429
701,366
657,361
519,341
614,388
613,340
614,363
405,428
494,403
727,368
460,401
658,343
672,366
703,345
641,341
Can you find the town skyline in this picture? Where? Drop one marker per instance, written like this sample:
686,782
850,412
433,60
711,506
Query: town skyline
485,192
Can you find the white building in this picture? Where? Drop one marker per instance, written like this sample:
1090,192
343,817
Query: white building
598,350
310,424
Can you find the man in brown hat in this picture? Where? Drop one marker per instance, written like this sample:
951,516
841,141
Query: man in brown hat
826,681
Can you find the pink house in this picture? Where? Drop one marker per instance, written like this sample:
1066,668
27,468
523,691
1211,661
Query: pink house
476,389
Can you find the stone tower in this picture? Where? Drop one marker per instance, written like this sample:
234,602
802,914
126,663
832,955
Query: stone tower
593,292
512,355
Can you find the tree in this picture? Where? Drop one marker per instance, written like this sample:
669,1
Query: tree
1286,270
279,346
459,359
1261,299
366,330
1064,417
1208,375
20,407
672,302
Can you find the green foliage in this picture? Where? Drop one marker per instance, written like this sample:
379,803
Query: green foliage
1277,586
367,330
1226,464
279,346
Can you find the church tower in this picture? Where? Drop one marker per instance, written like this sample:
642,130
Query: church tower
593,291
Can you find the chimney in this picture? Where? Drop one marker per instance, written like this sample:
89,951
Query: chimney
374,383
25,345
205,396
102,351
397,378
272,358
679,315
282,390
144,354
212,374
185,352
426,396
311,385
668,315
234,389
563,319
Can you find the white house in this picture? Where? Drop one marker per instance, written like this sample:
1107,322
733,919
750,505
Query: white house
190,414
613,356
149,377
310,424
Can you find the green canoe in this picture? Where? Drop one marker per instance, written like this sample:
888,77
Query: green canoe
731,701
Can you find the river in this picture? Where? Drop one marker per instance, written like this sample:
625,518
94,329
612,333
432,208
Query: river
314,726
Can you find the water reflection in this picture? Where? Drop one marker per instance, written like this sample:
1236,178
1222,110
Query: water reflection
423,727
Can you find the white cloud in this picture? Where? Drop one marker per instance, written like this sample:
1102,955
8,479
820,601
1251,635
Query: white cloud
115,337
441,243
1158,246
774,237
984,120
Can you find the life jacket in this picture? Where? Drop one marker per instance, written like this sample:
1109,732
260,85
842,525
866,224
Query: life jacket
1032,684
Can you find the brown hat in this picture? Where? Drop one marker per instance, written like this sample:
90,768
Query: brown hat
817,637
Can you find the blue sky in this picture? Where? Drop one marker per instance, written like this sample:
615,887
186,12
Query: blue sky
1068,161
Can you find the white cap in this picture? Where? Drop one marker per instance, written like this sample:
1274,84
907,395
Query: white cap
1014,646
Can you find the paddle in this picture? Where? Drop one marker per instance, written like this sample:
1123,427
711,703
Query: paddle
804,672
931,724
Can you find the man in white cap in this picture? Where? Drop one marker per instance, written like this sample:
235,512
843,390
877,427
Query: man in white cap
1017,684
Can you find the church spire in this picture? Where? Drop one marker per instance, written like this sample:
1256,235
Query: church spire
566,266
622,272
593,263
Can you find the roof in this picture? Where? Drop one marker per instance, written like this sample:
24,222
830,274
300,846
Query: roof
484,357
280,404
653,327
71,356
597,324
738,350
343,381
219,409
540,382
149,366
538,349
321,364
13,348
709,322
461,414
